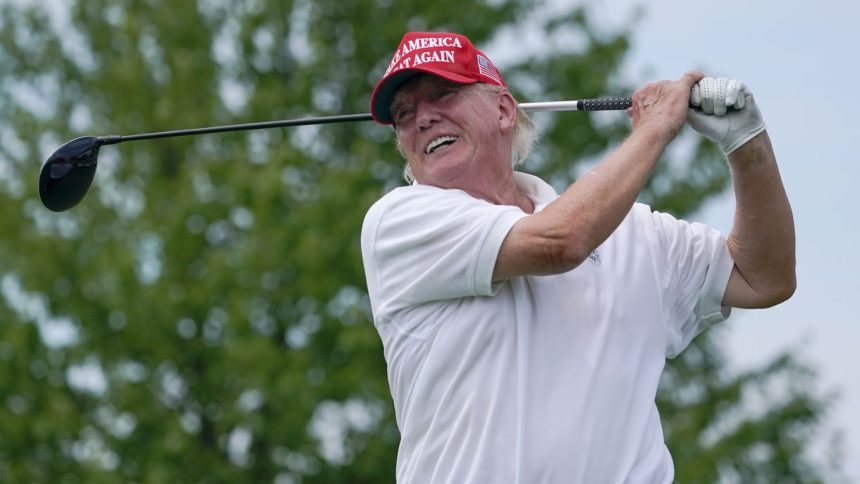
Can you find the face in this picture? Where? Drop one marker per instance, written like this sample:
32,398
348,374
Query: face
453,136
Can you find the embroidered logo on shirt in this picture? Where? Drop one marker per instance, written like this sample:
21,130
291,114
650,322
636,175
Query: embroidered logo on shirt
595,257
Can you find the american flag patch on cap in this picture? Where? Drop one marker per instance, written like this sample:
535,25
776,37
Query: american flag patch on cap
486,68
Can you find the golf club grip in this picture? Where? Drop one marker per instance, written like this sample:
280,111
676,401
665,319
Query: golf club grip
604,104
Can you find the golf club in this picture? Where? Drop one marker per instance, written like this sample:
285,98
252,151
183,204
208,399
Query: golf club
68,173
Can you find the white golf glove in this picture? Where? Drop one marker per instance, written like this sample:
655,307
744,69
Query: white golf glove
724,111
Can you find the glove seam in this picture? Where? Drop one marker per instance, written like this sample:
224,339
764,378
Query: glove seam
742,140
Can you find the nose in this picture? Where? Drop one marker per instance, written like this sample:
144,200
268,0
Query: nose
426,114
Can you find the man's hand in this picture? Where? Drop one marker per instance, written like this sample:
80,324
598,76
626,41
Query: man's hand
663,105
724,111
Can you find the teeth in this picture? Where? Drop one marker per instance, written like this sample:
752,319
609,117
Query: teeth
436,143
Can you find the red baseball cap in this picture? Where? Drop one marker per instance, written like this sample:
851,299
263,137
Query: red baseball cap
449,56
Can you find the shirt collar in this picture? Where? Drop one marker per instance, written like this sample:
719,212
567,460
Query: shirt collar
539,191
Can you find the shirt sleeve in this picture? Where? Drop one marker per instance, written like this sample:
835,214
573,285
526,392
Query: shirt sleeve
421,244
693,266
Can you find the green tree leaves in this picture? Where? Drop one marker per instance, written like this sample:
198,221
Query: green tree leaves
202,314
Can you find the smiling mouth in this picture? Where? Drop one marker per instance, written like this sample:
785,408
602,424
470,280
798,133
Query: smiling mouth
439,143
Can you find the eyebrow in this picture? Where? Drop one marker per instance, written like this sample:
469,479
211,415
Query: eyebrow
400,95
396,102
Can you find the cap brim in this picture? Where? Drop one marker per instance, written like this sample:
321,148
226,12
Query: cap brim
380,101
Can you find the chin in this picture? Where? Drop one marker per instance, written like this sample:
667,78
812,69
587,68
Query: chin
445,170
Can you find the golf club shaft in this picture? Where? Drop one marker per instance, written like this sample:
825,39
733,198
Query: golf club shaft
597,104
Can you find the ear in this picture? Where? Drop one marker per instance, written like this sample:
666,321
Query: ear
507,111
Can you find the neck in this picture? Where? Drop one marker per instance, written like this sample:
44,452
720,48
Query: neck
503,191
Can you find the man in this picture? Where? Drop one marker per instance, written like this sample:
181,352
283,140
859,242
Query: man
525,331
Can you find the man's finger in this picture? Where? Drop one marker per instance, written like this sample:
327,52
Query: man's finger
691,77
719,94
732,91
735,94
696,96
742,97
706,85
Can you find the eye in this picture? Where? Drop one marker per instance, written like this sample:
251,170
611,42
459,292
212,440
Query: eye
445,94
403,114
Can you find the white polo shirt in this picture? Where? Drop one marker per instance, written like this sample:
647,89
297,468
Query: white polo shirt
538,379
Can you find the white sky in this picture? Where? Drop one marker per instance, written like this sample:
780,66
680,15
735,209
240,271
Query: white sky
800,61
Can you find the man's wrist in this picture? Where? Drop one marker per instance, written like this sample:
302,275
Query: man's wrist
750,154
660,133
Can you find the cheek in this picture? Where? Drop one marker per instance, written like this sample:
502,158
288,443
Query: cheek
403,144
398,143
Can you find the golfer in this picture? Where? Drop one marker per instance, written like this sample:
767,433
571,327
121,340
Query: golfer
525,331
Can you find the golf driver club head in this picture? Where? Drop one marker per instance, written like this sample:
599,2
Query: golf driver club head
68,173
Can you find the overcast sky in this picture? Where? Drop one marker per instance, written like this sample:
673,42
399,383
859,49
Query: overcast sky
800,61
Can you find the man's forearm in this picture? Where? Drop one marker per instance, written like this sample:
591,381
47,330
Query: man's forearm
597,202
565,232
762,240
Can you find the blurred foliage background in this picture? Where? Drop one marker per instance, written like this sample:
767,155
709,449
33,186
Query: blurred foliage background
202,316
